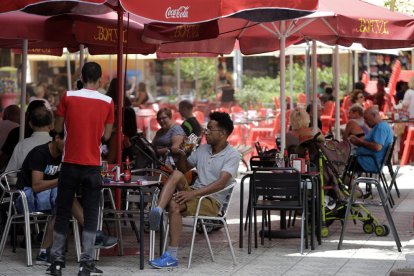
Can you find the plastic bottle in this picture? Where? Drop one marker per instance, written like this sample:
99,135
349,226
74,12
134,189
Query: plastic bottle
127,171
307,160
286,158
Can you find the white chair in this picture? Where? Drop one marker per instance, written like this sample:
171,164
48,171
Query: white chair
9,195
207,221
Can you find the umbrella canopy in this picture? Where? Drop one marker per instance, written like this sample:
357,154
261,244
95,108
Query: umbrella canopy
170,11
335,22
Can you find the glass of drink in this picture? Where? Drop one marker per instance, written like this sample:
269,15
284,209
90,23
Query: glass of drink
104,168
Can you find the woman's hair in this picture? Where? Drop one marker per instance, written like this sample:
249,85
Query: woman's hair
357,108
142,87
166,111
299,118
354,95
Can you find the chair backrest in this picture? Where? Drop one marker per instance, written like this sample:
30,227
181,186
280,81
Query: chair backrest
227,201
388,161
258,162
279,184
8,180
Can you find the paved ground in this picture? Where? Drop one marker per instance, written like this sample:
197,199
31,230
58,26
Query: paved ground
362,254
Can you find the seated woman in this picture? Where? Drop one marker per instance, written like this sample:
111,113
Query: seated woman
357,97
356,124
169,137
141,95
299,122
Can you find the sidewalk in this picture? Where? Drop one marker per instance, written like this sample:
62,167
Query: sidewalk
361,254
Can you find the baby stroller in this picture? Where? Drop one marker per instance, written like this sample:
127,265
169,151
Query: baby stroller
331,158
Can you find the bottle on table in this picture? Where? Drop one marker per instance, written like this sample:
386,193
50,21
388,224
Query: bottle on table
286,158
307,160
127,171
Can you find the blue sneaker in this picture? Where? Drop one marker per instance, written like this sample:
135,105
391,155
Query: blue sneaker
165,261
154,219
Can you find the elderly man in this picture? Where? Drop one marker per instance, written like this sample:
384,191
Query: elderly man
375,142
217,163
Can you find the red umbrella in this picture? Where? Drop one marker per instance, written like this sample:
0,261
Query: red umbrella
167,11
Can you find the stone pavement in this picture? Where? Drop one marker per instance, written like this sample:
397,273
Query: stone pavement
362,254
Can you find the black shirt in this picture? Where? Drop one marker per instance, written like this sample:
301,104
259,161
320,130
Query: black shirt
38,159
191,125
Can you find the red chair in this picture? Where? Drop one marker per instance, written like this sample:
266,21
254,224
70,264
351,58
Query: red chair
408,151
327,115
236,109
199,116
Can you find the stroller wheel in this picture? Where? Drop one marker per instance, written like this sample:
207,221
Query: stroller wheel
324,231
368,227
387,230
380,230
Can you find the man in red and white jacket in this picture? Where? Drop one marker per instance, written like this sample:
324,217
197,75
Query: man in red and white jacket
86,116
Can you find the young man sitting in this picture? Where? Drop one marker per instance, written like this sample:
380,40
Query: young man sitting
38,178
217,163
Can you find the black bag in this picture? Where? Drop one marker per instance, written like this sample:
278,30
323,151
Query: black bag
147,155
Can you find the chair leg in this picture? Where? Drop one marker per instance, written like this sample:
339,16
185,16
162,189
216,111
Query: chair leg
348,209
255,229
5,233
207,239
192,241
28,237
229,240
263,227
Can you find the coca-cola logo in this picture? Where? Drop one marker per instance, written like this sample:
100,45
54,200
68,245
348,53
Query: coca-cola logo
181,12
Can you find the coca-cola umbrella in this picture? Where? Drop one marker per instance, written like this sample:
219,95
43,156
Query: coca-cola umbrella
168,11
335,22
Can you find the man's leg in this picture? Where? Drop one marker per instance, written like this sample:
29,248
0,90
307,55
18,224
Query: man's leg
91,193
176,181
64,200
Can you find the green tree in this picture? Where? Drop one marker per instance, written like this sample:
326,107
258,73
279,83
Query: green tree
206,74
264,89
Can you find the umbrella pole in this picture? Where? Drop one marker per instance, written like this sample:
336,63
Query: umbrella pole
81,56
291,80
356,68
314,85
120,100
412,59
68,70
307,56
23,87
337,107
282,64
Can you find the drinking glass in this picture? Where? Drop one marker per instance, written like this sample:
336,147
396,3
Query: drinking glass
104,168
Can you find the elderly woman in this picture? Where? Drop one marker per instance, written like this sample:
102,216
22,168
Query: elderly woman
356,124
408,102
299,122
170,136
357,97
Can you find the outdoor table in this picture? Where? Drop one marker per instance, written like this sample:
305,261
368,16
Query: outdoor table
316,207
137,186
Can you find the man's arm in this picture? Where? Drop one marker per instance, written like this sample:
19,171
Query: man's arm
107,132
360,142
39,184
59,124
182,163
183,196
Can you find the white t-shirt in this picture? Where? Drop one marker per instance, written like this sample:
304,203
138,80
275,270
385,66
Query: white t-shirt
409,101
